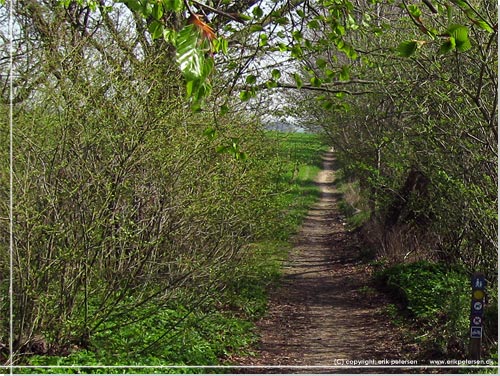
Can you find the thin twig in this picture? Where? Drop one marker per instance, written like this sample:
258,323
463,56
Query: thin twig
233,16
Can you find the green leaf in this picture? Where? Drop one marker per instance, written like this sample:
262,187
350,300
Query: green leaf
327,105
263,40
297,35
203,89
169,35
134,5
147,9
414,11
251,79
339,30
298,80
275,74
245,95
460,34
156,29
407,48
189,55
208,66
233,149
257,12
224,45
244,17
463,46
351,23
366,20
222,149
210,133
344,73
189,88
173,5
315,81
447,46
282,21
220,45
484,25
255,28
347,49
157,11
296,51
271,84
321,63
314,24
224,109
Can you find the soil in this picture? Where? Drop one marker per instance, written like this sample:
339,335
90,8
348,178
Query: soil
325,311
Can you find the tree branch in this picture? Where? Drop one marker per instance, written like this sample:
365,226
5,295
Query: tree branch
233,16
323,89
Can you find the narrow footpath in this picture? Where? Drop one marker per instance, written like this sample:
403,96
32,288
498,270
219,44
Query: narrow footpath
324,312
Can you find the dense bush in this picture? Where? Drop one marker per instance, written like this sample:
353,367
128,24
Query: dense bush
417,129
128,205
134,221
125,206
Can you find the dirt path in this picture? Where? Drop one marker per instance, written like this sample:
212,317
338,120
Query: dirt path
323,313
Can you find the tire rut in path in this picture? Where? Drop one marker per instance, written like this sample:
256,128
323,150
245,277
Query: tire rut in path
320,312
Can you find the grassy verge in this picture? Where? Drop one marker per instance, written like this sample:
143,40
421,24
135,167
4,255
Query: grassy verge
353,205
433,301
223,326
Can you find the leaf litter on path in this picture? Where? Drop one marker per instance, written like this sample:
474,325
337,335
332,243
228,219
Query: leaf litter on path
320,316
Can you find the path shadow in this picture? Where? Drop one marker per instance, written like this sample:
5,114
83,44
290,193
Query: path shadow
318,314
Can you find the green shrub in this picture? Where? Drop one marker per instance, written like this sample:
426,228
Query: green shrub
208,316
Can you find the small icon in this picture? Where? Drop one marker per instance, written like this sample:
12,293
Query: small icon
476,320
476,331
478,306
478,294
478,282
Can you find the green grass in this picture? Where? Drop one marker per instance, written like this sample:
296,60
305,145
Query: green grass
212,333
436,299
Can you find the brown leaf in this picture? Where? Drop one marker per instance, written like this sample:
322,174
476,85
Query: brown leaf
204,28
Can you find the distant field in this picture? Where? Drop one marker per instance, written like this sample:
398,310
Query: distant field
302,151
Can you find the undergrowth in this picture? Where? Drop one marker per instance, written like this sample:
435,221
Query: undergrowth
436,300
352,203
